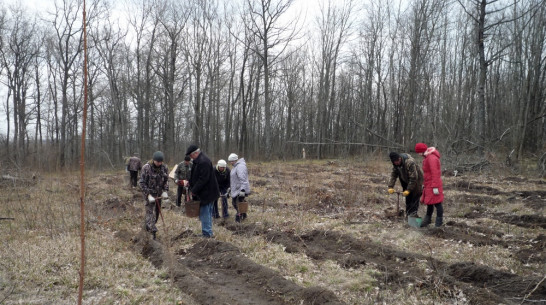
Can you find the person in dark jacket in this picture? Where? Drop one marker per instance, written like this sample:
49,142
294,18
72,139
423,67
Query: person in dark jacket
410,174
222,177
154,182
203,186
182,175
433,192
133,166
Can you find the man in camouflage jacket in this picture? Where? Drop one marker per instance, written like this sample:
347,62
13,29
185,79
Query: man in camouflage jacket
410,174
154,184
181,174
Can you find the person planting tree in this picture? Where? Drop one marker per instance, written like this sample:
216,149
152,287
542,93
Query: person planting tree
154,184
410,175
181,176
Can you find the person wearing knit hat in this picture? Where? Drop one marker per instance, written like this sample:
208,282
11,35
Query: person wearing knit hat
420,148
405,169
240,186
232,157
154,180
433,193
158,156
394,156
203,186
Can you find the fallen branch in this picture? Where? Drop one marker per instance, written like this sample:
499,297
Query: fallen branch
337,143
536,287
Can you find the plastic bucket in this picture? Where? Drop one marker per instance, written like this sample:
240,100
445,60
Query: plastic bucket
192,208
415,221
242,207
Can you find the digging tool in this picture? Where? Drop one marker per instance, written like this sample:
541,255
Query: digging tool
412,221
188,198
7,218
158,205
398,204
222,196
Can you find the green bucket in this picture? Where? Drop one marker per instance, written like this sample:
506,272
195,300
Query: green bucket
415,221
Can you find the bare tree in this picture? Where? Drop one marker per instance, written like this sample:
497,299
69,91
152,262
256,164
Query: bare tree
529,78
67,43
173,18
487,16
273,38
18,57
108,41
145,28
197,53
425,16
334,24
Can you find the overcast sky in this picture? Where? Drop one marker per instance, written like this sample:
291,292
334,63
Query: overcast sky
304,11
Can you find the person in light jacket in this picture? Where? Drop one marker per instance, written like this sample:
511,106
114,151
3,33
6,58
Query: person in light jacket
433,192
240,186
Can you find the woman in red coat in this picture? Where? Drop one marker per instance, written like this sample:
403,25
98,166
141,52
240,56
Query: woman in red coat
433,193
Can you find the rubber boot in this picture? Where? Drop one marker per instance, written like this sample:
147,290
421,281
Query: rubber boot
153,235
439,221
243,216
426,221
237,218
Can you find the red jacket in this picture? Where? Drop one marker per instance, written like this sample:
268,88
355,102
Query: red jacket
433,177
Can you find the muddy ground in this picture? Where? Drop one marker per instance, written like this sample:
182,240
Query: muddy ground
476,215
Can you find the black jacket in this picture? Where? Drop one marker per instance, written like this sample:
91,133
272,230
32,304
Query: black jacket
203,181
222,178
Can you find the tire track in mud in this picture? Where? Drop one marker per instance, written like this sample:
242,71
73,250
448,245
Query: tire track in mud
216,272
482,284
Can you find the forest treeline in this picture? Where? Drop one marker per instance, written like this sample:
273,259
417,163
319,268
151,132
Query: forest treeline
268,78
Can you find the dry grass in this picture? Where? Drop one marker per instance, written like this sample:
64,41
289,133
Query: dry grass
40,248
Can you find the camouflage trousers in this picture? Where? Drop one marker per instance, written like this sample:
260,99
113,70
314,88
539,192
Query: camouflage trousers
152,213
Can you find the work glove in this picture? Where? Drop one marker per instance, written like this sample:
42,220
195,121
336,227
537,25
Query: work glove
186,183
176,181
151,198
436,191
242,193
228,192
164,196
391,191
405,193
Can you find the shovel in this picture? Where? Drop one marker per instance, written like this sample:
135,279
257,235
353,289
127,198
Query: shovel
398,204
158,204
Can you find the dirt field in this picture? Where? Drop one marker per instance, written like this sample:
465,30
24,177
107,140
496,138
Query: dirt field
325,232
